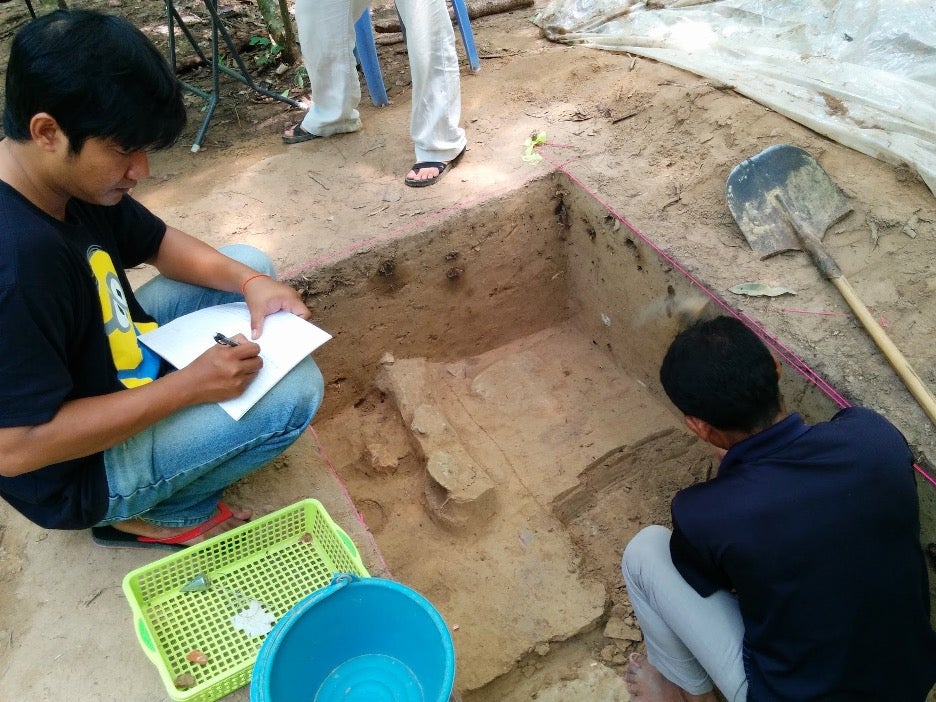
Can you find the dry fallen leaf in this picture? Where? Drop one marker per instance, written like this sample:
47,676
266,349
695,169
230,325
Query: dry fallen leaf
760,290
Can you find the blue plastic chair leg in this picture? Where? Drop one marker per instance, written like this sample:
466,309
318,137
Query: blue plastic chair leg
365,50
464,28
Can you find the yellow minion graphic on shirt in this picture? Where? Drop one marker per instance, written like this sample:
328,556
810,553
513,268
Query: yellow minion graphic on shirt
136,365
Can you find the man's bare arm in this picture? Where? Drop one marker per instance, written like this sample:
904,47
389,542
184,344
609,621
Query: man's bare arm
183,257
88,425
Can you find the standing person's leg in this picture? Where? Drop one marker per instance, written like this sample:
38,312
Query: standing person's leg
172,474
691,640
436,110
326,39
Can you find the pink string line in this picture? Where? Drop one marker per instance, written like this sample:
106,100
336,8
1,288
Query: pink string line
787,310
347,494
786,354
825,313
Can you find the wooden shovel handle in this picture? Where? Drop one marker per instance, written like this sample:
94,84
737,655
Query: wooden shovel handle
811,241
887,347
822,258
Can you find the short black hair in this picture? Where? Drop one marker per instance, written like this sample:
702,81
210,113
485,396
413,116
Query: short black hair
98,76
722,373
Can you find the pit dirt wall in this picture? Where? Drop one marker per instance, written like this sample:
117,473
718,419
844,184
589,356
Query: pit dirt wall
477,279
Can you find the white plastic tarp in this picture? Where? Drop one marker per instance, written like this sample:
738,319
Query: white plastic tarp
861,72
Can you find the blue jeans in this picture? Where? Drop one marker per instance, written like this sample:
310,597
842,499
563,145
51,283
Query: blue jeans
173,473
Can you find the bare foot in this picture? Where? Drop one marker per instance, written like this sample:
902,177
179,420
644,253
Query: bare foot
646,684
423,174
296,134
428,172
139,527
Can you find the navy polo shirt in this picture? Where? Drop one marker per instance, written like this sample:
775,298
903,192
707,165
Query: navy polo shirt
816,529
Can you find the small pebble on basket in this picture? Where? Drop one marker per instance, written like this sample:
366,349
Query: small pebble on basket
184,681
197,657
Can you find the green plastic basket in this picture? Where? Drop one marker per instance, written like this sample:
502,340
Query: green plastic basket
277,560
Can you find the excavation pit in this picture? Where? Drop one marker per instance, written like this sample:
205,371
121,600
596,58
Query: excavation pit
494,411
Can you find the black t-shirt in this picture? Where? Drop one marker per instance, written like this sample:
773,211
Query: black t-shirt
66,313
816,529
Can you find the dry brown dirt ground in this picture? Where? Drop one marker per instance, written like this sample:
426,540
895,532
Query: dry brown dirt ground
533,594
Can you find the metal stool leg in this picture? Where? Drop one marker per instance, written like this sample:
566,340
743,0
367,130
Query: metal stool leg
218,33
173,18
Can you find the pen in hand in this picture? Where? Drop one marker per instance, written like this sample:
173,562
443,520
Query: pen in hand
225,341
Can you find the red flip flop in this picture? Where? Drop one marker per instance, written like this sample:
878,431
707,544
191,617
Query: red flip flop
114,538
224,513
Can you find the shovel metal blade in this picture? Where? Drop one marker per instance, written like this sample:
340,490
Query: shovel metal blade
781,185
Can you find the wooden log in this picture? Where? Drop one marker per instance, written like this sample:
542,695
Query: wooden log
482,8
387,21
389,38
192,62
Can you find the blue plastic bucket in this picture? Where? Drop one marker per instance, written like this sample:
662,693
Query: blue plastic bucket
357,640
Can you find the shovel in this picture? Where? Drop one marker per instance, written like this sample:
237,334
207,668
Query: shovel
783,201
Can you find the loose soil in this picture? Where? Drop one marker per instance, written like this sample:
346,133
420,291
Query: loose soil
577,447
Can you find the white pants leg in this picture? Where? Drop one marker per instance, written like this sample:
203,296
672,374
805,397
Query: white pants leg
436,111
326,38
693,641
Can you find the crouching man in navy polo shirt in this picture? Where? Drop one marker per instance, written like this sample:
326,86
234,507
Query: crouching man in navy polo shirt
796,574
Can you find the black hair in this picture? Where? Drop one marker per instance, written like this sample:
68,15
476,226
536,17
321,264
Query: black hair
722,373
98,76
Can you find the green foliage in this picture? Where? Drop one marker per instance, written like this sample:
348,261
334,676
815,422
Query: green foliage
302,77
269,51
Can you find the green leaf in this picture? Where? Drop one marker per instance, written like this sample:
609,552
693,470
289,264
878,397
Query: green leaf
760,290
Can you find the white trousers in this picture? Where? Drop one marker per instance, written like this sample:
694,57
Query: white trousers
326,36
693,641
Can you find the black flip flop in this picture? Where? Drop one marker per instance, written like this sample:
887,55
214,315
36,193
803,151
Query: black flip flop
299,135
442,167
109,537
